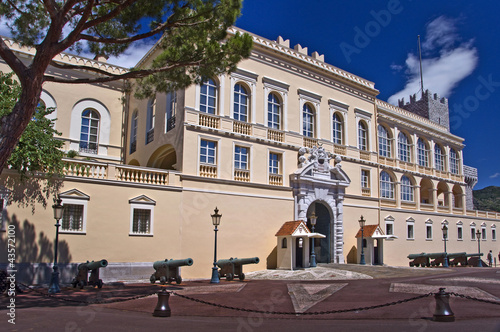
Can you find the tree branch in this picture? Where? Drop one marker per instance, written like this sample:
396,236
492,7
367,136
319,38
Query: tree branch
112,77
16,8
12,61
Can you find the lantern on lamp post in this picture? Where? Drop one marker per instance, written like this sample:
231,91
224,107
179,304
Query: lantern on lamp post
54,279
362,225
313,218
215,221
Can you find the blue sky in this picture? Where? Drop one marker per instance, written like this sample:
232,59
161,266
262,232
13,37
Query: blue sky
377,40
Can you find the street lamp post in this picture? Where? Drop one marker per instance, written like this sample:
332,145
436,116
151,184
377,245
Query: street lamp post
313,218
215,221
478,236
362,225
54,280
445,238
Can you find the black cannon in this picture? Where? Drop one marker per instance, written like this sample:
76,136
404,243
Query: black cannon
169,270
457,258
438,258
421,259
82,278
475,260
233,267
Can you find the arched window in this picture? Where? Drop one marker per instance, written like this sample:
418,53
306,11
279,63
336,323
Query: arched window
362,136
454,161
240,111
150,120
171,111
386,185
422,153
273,111
438,157
337,127
403,147
307,121
208,97
384,143
89,132
406,189
284,243
133,132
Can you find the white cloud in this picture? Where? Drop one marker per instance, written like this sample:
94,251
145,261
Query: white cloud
496,175
452,61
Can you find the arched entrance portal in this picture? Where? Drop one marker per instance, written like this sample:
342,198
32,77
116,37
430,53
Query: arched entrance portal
322,247
320,187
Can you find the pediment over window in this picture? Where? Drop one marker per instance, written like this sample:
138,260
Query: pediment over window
142,199
74,193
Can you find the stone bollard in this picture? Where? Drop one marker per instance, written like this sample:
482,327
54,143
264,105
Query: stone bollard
443,311
162,308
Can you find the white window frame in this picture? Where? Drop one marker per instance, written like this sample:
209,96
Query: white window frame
362,115
472,231
281,89
337,131
484,232
389,183
365,180
454,161
460,227
439,158
249,81
404,147
144,203
407,190
75,197
410,222
389,221
493,233
280,162
314,101
422,153
218,91
384,142
429,224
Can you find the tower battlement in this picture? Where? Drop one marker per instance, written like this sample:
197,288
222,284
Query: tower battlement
430,106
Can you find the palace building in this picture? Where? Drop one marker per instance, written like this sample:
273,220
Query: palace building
284,136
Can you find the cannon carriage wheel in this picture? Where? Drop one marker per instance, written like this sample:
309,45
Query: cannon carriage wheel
81,284
99,284
229,276
178,280
152,279
163,280
242,276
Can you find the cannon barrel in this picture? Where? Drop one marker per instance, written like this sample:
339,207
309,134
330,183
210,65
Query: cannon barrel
93,265
413,256
172,263
238,261
456,254
436,255
473,255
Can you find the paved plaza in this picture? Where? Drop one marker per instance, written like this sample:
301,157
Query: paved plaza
329,297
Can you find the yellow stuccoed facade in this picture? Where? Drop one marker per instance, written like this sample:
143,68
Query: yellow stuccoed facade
145,188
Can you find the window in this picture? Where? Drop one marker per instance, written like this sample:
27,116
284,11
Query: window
240,157
337,128
365,179
283,243
410,229
141,215
460,235
404,147
307,121
422,153
208,152
493,234
454,161
72,220
384,144
386,185
406,189
438,158
273,111
362,136
133,133
89,133
150,120
389,225
208,97
428,232
240,111
274,163
171,111
483,233
473,233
